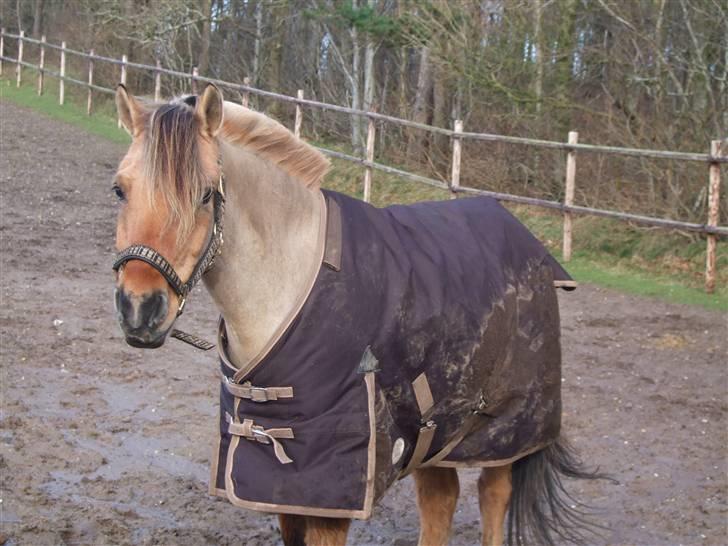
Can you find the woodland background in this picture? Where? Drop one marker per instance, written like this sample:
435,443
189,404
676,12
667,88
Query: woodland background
636,73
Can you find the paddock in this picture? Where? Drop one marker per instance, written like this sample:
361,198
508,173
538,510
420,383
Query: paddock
106,444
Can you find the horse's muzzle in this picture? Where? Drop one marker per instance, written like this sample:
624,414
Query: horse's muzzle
141,318
141,344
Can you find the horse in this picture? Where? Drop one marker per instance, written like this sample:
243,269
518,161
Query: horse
294,260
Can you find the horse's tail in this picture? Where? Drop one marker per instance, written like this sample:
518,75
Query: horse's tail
541,509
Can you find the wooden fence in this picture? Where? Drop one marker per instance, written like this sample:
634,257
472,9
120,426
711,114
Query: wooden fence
718,149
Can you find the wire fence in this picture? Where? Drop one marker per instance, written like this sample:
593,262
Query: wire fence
718,149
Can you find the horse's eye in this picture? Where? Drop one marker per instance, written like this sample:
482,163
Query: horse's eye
208,195
118,192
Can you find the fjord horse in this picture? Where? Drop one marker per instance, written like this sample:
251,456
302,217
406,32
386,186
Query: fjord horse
169,229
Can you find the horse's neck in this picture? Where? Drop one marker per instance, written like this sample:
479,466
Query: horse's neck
269,254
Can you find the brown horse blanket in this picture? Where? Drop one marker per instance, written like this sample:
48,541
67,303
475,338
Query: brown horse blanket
430,337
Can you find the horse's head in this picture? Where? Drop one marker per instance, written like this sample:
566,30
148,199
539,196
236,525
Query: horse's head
167,185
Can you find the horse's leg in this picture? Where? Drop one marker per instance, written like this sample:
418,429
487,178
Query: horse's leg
326,531
437,495
494,494
293,529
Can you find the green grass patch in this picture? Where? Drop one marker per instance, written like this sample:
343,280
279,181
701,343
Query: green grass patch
101,123
655,263
587,269
387,189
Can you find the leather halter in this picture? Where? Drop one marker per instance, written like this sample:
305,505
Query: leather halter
148,255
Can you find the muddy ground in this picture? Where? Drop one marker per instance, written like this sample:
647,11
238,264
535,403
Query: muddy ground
104,444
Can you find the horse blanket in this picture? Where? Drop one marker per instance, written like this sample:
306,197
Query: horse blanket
430,337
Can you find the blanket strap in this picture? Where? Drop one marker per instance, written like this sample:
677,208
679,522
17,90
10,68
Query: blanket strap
256,394
467,425
332,250
249,430
454,441
425,435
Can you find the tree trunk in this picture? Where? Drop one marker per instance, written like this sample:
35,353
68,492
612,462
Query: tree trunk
203,61
258,39
419,110
19,14
439,108
403,106
563,66
38,18
369,80
538,45
278,18
355,94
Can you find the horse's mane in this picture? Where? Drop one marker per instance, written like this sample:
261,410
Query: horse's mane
174,167
271,140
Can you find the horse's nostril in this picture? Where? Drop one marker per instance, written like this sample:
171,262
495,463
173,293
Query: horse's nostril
124,307
154,309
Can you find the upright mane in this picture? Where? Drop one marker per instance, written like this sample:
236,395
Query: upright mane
172,154
271,140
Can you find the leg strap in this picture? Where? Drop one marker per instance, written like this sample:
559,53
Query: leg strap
426,433
424,441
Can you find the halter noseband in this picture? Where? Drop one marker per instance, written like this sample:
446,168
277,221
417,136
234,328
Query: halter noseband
148,255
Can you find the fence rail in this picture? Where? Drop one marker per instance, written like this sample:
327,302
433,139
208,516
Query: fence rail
714,159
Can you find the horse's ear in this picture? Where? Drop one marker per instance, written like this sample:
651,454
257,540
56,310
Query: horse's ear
209,110
128,110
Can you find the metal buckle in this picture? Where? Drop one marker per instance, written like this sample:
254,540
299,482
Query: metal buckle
259,434
221,186
258,394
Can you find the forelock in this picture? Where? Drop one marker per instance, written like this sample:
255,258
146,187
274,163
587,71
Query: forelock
172,163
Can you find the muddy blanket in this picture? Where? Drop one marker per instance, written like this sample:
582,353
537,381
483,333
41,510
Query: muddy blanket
430,337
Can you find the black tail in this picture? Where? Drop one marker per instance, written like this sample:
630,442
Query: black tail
541,510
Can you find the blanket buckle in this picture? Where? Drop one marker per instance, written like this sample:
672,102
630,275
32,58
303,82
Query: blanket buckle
258,394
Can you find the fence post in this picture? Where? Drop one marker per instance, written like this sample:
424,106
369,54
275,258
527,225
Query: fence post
299,115
193,80
371,139
158,82
713,201
89,104
569,195
456,155
19,66
2,49
41,65
245,101
124,60
62,80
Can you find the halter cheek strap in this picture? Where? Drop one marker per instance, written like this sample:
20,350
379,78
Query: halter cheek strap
150,256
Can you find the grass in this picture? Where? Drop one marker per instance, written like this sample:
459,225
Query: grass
666,265
101,123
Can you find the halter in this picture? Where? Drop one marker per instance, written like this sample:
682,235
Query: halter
148,255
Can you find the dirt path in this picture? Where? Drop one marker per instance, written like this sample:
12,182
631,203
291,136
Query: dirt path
104,444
